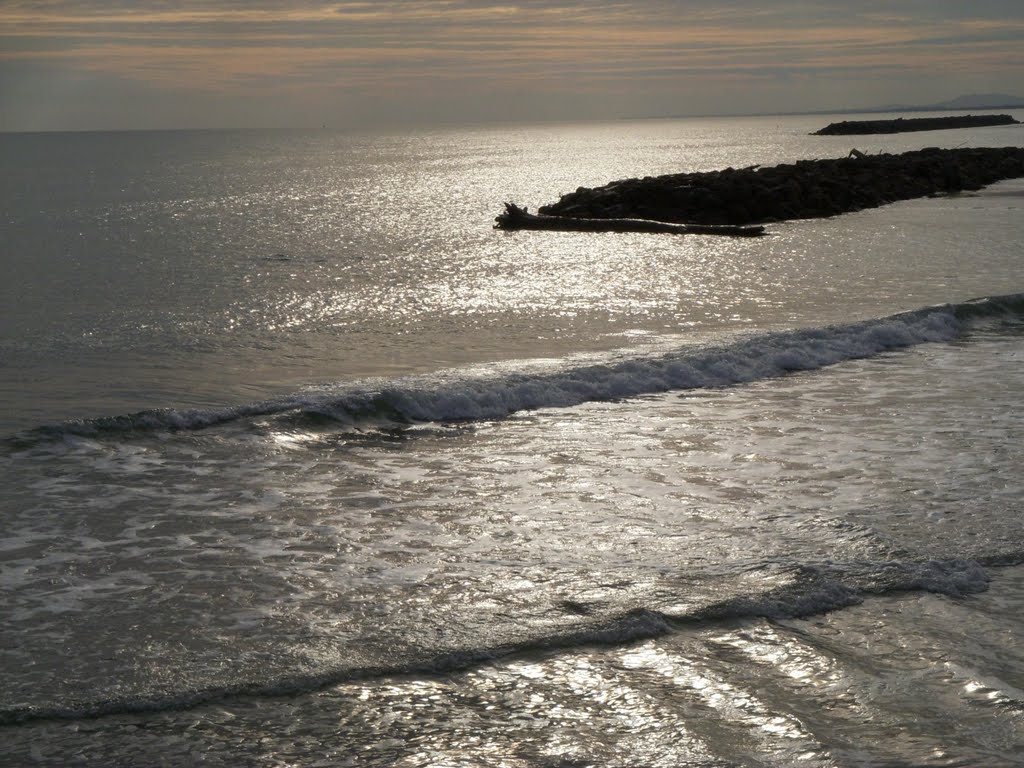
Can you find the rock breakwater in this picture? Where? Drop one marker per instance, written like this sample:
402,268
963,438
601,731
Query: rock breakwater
901,125
802,190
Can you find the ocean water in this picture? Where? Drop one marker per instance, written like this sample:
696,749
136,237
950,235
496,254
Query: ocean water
304,464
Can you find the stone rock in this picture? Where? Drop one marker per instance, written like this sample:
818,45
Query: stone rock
901,125
805,189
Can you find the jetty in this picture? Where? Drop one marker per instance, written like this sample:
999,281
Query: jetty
906,125
759,195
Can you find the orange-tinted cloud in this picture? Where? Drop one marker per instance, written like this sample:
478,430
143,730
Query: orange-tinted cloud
398,45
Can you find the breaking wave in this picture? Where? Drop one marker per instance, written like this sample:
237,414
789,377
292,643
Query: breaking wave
463,395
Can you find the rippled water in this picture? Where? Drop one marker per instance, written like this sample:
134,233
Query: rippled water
306,465
166,269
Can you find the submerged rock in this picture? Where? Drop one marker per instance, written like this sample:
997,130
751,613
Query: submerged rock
802,190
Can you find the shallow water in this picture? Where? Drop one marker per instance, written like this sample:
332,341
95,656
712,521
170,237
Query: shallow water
304,480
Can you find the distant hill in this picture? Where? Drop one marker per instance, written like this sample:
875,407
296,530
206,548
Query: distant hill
969,101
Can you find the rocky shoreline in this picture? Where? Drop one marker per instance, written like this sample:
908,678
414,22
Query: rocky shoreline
901,125
802,190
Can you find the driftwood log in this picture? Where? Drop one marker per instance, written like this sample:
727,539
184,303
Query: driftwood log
515,217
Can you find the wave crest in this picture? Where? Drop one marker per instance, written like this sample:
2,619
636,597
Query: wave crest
501,391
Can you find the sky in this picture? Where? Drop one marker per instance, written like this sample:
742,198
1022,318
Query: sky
128,64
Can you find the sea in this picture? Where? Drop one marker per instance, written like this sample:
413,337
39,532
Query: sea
303,463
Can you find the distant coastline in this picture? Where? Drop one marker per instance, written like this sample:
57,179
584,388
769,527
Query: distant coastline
976,103
967,103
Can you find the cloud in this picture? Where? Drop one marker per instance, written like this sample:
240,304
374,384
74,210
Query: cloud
368,52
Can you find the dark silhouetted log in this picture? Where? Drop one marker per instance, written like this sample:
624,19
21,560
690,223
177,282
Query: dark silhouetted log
515,217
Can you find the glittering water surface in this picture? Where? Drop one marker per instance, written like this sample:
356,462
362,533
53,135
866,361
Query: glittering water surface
420,493
169,269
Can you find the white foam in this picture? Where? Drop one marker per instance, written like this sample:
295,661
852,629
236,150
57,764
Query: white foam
451,397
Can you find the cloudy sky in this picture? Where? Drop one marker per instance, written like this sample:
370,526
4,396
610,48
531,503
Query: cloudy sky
74,64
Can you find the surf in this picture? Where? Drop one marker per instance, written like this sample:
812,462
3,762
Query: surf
500,390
